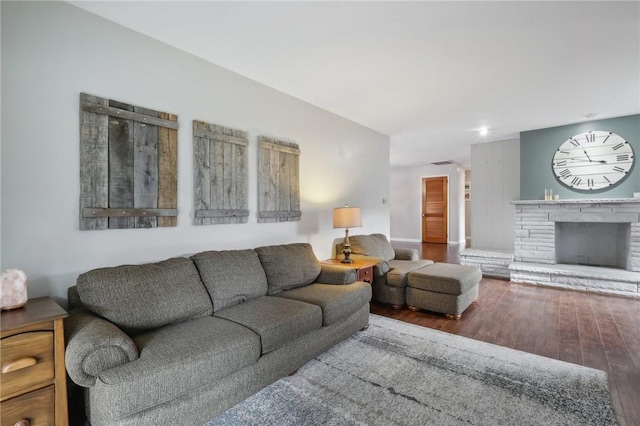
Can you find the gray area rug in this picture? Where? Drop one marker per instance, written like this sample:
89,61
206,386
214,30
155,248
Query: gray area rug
402,374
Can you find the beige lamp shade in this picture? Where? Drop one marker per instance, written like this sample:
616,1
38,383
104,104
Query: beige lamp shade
347,217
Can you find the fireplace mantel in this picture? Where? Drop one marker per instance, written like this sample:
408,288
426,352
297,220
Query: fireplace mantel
578,201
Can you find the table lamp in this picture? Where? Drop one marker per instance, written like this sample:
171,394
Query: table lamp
346,217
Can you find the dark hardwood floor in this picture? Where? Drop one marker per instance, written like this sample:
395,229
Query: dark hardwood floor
597,331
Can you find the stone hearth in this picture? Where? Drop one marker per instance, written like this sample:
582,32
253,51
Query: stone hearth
535,245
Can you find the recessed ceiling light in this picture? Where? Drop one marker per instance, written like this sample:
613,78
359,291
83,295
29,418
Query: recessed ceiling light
484,131
590,115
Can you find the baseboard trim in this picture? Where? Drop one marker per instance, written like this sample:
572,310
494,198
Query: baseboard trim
411,240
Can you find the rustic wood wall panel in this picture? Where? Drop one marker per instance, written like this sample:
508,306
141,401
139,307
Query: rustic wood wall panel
168,167
278,181
121,166
220,174
145,167
94,178
128,165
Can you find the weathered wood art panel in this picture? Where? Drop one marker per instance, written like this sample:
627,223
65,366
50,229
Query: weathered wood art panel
220,178
128,165
278,181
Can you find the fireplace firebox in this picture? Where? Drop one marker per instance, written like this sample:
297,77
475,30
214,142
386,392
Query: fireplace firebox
592,244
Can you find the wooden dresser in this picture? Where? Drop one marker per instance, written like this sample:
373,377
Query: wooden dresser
33,387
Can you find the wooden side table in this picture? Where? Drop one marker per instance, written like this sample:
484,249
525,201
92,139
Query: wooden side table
33,386
364,268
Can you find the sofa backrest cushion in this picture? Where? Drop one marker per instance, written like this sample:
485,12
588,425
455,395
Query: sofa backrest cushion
142,297
231,276
375,245
289,266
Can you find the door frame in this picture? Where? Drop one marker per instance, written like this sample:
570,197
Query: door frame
448,204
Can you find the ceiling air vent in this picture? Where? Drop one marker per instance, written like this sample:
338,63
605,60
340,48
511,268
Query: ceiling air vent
442,163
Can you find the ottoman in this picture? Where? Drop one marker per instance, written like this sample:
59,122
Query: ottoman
443,287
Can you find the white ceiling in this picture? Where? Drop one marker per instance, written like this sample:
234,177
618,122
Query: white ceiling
428,74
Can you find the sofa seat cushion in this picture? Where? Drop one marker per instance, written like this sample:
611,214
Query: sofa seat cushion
445,278
144,297
336,301
289,266
276,320
177,359
231,276
399,269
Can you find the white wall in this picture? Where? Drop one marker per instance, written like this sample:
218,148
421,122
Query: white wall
467,206
0,145
406,201
52,51
495,182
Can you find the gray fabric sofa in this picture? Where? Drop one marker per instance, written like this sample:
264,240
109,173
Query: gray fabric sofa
390,274
179,341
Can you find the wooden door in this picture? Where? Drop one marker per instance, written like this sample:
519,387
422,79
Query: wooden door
435,210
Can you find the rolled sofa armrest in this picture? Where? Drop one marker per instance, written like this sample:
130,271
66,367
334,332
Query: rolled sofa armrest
93,346
407,254
334,274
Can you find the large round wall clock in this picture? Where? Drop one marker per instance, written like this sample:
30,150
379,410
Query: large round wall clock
593,160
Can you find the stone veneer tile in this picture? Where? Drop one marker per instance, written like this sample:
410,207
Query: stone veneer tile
595,210
593,283
594,217
594,272
620,209
578,207
541,230
531,218
535,260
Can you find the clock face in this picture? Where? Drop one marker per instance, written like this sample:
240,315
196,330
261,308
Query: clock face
593,160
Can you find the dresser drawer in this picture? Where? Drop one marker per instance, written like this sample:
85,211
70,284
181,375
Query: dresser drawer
27,361
365,274
31,409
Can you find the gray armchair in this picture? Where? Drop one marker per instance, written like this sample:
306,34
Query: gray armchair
390,274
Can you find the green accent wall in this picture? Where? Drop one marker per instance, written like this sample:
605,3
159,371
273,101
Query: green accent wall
538,146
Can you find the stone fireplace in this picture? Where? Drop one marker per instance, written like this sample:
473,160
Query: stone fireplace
590,245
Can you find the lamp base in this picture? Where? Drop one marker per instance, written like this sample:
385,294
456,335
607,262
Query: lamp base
346,251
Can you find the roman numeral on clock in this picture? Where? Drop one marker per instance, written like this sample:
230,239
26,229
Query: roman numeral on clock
565,173
622,157
590,137
618,169
561,163
605,178
576,181
617,147
590,182
574,142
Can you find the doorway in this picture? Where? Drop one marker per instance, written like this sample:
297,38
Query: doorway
435,212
